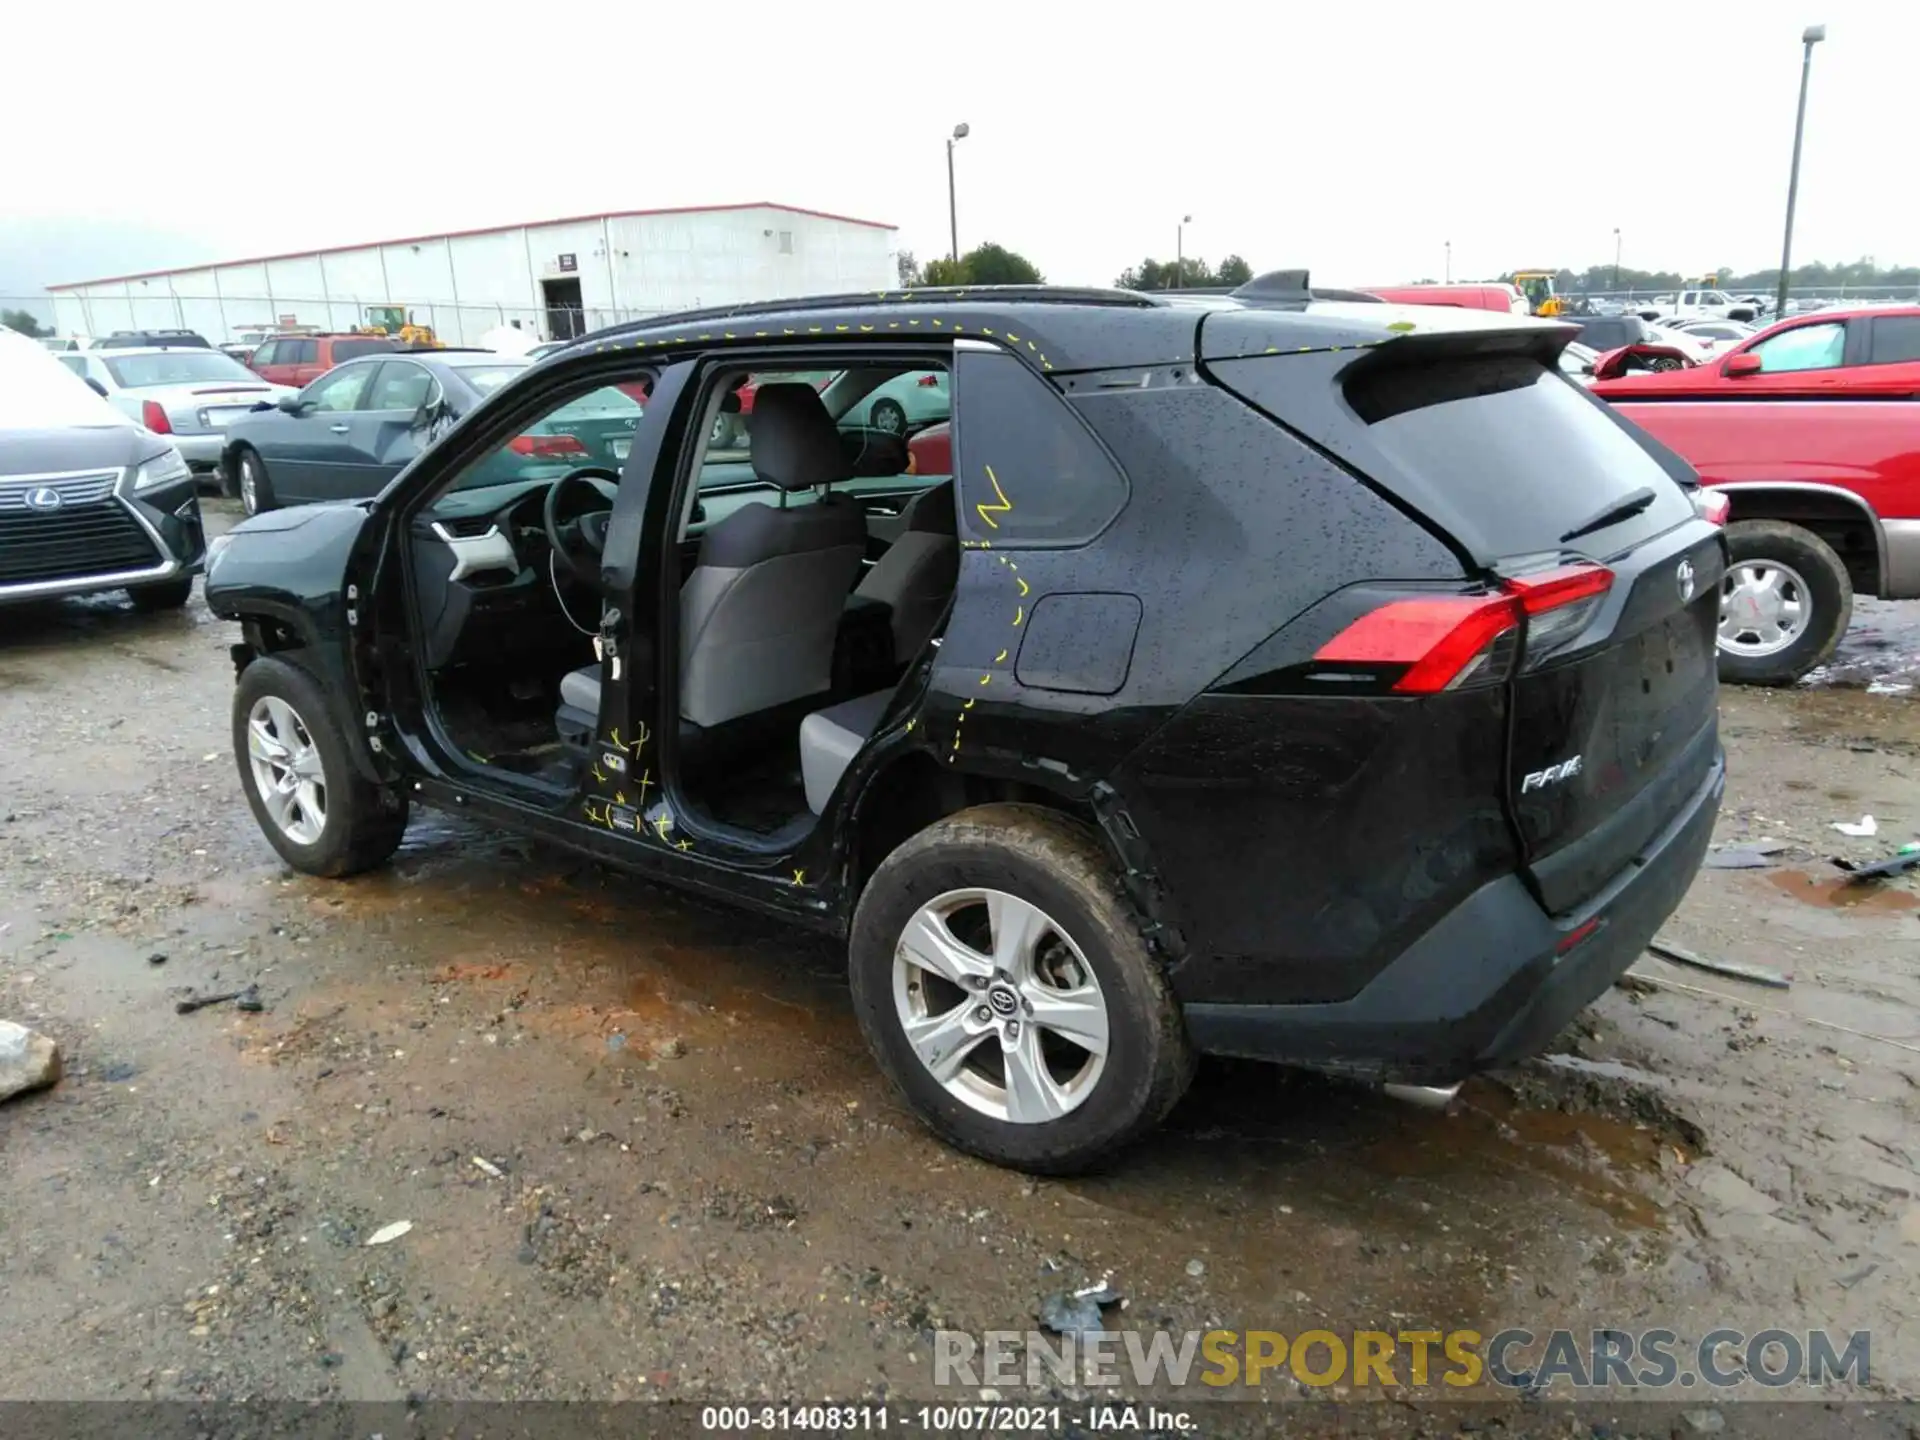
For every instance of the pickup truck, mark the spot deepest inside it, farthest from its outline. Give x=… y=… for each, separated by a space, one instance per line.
x=1812 y=429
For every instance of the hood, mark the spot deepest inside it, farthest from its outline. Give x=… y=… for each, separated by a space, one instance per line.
x=37 y=392
x=54 y=450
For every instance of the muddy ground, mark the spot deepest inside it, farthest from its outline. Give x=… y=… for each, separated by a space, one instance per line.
x=643 y=1151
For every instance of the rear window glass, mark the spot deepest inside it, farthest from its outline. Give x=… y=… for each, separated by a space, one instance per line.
x=176 y=367
x=353 y=349
x=488 y=378
x=1896 y=339
x=1516 y=454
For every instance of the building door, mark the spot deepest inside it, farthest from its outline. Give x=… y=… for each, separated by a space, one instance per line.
x=566 y=318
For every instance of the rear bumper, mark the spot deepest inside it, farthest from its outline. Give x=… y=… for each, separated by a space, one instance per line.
x=1488 y=985
x=1902 y=580
x=202 y=452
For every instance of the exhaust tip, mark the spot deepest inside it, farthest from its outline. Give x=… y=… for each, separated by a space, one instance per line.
x=1427 y=1097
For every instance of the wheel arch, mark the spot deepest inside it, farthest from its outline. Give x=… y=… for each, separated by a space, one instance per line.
x=1837 y=515
x=271 y=633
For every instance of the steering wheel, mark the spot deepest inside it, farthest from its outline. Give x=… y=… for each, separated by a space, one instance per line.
x=581 y=540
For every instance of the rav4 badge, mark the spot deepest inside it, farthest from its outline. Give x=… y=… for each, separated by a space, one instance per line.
x=1552 y=775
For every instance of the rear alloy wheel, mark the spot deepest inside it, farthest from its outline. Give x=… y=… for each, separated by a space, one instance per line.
x=313 y=805
x=1784 y=604
x=725 y=434
x=888 y=416
x=1664 y=362
x=1000 y=975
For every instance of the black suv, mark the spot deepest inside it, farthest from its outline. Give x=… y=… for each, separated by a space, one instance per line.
x=144 y=339
x=1323 y=682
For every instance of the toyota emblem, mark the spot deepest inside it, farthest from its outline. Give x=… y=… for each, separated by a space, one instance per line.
x=43 y=497
x=1684 y=578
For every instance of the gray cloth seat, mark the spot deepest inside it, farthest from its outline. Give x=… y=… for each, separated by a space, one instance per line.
x=917 y=574
x=760 y=612
x=830 y=738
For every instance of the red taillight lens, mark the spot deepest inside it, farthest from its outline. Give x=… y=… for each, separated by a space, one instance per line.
x=155 y=418
x=1713 y=506
x=1449 y=641
x=546 y=447
x=928 y=382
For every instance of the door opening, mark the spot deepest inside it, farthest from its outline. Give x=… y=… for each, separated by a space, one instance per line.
x=566 y=315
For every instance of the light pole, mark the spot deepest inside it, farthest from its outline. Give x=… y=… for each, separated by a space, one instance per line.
x=1449 y=271
x=1809 y=38
x=1180 y=252
x=960 y=132
x=1616 y=257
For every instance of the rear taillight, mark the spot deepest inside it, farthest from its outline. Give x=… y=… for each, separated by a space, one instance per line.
x=928 y=382
x=1449 y=642
x=1713 y=506
x=155 y=418
x=546 y=447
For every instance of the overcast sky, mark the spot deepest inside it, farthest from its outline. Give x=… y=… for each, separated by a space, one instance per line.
x=1355 y=137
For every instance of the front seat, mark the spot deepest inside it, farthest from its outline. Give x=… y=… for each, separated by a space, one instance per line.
x=759 y=613
x=916 y=575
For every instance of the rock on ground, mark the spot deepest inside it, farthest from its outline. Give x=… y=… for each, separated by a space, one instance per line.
x=28 y=1060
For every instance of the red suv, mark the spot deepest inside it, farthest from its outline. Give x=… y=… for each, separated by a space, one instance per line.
x=1812 y=428
x=296 y=359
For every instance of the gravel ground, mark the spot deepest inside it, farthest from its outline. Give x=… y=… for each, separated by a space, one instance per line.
x=643 y=1153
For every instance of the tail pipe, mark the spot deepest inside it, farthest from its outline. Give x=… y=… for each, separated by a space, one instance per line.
x=1427 y=1097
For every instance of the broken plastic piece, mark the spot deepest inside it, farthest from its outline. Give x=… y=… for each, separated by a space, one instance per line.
x=1754 y=974
x=1860 y=829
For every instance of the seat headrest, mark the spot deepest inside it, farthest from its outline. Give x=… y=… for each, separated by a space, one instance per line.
x=794 y=443
x=931 y=511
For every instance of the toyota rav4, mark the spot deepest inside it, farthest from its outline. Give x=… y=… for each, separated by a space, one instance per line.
x=1322 y=682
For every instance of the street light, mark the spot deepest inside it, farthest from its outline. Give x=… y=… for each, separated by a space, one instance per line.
x=960 y=132
x=1180 y=251
x=1809 y=38
x=1616 y=257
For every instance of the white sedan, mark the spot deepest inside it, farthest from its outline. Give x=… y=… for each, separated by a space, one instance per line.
x=1717 y=336
x=189 y=395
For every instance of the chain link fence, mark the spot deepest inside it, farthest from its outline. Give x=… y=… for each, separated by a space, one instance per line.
x=230 y=319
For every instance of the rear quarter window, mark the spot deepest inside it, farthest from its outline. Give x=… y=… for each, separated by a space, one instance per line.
x=1896 y=340
x=1029 y=471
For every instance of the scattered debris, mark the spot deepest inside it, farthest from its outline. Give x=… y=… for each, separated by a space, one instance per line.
x=1907 y=857
x=249 y=1000
x=28 y=1060
x=1077 y=1312
x=1859 y=829
x=1196 y=1268
x=1733 y=970
x=1848 y=1281
x=671 y=1048
x=1745 y=855
x=389 y=1233
x=488 y=1168
x=157 y=958
x=1701 y=1422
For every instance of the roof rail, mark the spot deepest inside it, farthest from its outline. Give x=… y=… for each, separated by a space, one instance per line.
x=912 y=295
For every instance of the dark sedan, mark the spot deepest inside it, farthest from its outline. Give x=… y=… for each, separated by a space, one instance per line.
x=352 y=430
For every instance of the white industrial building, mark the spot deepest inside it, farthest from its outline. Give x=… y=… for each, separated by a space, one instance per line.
x=556 y=278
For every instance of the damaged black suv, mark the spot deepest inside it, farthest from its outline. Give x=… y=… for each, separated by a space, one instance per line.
x=1273 y=676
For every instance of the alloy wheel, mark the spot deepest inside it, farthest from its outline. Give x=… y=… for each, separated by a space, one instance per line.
x=1764 y=608
x=287 y=769
x=1000 y=1005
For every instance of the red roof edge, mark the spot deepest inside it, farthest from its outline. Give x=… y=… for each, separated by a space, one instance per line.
x=481 y=230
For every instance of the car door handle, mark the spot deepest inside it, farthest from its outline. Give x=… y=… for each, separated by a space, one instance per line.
x=339 y=429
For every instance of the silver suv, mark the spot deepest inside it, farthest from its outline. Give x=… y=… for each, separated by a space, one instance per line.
x=89 y=500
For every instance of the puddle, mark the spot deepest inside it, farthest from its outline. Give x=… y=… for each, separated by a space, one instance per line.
x=1832 y=892
x=1879 y=654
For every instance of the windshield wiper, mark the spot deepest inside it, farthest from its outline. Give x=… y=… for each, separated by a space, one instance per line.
x=1622 y=509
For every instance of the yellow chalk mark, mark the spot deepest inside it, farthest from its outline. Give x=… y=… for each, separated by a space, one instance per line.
x=986 y=679
x=970 y=704
x=1019 y=613
x=1025 y=589
x=799 y=877
x=683 y=844
x=598 y=776
x=619 y=797
x=662 y=823
x=1000 y=509
x=1001 y=656
x=1013 y=337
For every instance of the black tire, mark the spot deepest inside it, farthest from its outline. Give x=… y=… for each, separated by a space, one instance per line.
x=1829 y=596
x=1057 y=864
x=888 y=416
x=725 y=434
x=167 y=595
x=259 y=499
x=364 y=821
x=1664 y=362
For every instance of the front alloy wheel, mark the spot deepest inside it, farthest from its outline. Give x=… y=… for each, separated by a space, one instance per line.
x=1764 y=607
x=287 y=770
x=1000 y=1006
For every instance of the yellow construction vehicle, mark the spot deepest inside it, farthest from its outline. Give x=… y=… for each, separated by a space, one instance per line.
x=394 y=320
x=1537 y=286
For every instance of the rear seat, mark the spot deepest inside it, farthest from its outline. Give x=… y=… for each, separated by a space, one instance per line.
x=830 y=738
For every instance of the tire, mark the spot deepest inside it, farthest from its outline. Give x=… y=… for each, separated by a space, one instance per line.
x=726 y=432
x=251 y=485
x=1664 y=362
x=168 y=595
x=1034 y=857
x=1807 y=567
x=888 y=416
x=360 y=823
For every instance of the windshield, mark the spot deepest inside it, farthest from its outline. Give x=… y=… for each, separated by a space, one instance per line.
x=176 y=367
x=489 y=377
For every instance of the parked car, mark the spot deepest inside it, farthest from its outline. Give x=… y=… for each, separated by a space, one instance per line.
x=1502 y=299
x=351 y=431
x=1715 y=336
x=1389 y=769
x=89 y=501
x=1661 y=349
x=296 y=359
x=190 y=395
x=1824 y=491
x=152 y=340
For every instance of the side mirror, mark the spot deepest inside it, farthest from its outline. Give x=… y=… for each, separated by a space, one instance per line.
x=292 y=404
x=95 y=386
x=1745 y=363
